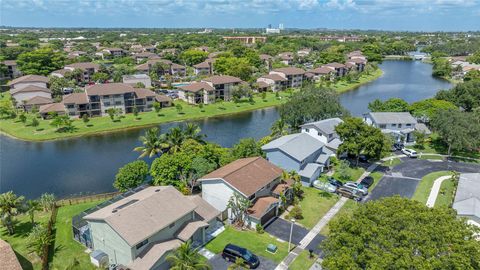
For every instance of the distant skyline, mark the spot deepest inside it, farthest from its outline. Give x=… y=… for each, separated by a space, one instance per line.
x=396 y=15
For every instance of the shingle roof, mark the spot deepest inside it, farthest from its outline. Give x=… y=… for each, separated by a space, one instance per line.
x=222 y=79
x=143 y=92
x=327 y=126
x=299 y=145
x=152 y=253
x=196 y=86
x=274 y=77
x=29 y=78
x=189 y=229
x=75 y=98
x=290 y=70
x=392 y=117
x=467 y=197
x=321 y=70
x=262 y=84
x=335 y=65
x=38 y=100
x=10 y=62
x=84 y=65
x=204 y=209
x=247 y=175
x=61 y=71
x=30 y=88
x=8 y=259
x=162 y=98
x=53 y=107
x=309 y=170
x=260 y=206
x=109 y=89
x=203 y=64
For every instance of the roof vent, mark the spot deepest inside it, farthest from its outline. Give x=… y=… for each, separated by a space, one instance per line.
x=114 y=210
x=157 y=190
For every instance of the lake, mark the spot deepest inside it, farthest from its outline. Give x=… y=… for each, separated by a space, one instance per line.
x=88 y=164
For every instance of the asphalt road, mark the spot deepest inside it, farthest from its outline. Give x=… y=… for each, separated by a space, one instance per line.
x=218 y=263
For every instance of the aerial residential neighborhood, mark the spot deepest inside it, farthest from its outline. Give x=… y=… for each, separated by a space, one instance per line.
x=271 y=135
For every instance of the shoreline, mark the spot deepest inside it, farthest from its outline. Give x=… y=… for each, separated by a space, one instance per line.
x=373 y=77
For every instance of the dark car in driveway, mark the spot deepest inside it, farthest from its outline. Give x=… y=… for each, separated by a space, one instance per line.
x=335 y=182
x=367 y=181
x=232 y=252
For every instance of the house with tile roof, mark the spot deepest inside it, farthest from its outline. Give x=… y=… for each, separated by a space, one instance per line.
x=467 y=198
x=254 y=179
x=197 y=93
x=293 y=75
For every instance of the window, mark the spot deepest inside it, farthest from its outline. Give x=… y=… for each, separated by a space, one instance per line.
x=382 y=126
x=118 y=103
x=106 y=103
x=106 y=96
x=70 y=106
x=171 y=225
x=408 y=125
x=307 y=130
x=149 y=99
x=399 y=125
x=394 y=125
x=141 y=244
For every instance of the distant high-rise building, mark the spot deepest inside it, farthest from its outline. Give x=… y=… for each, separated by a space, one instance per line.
x=270 y=30
x=280 y=26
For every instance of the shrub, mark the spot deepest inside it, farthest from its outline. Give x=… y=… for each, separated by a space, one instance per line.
x=259 y=228
x=295 y=213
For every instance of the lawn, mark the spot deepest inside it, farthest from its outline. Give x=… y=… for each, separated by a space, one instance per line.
x=344 y=86
x=19 y=241
x=347 y=209
x=354 y=172
x=446 y=194
x=392 y=162
x=66 y=249
x=251 y=240
x=45 y=131
x=431 y=157
x=315 y=204
x=434 y=145
x=425 y=186
x=303 y=261
x=376 y=177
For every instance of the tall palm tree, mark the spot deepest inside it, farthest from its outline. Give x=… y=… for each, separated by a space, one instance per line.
x=186 y=257
x=152 y=144
x=174 y=139
x=31 y=207
x=192 y=131
x=9 y=207
x=279 y=128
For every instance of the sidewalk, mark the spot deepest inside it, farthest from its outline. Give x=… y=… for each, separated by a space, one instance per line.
x=435 y=189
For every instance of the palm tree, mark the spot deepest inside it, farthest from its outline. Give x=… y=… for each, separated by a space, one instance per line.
x=31 y=207
x=186 y=257
x=279 y=128
x=192 y=132
x=175 y=139
x=152 y=144
x=238 y=264
x=9 y=207
x=47 y=201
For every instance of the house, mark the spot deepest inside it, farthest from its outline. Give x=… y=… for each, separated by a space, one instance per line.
x=400 y=125
x=12 y=70
x=139 y=57
x=358 y=63
x=47 y=109
x=25 y=88
x=356 y=55
x=467 y=198
x=247 y=40
x=293 y=75
x=197 y=93
x=111 y=52
x=253 y=178
x=204 y=68
x=75 y=54
x=8 y=258
x=138 y=78
x=300 y=152
x=324 y=130
x=286 y=58
x=166 y=67
x=139 y=231
x=267 y=59
x=28 y=80
x=275 y=81
x=88 y=69
x=322 y=72
x=340 y=69
x=223 y=85
x=178 y=70
x=36 y=101
x=304 y=52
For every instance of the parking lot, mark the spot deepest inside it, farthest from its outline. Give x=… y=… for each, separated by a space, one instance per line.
x=218 y=263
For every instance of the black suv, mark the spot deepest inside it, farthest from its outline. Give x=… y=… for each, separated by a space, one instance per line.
x=232 y=252
x=367 y=181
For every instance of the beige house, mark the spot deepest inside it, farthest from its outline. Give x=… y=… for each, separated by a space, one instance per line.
x=223 y=85
x=340 y=69
x=139 y=231
x=25 y=88
x=322 y=72
x=275 y=81
x=204 y=68
x=197 y=93
x=286 y=58
x=293 y=75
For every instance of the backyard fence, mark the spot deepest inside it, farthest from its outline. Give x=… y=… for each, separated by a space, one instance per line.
x=86 y=198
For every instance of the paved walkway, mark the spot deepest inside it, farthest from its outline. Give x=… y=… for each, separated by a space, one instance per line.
x=435 y=189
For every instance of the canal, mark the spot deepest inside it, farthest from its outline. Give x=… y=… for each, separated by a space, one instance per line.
x=88 y=164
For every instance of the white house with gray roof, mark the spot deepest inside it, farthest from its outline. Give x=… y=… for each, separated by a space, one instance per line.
x=299 y=152
x=400 y=125
x=467 y=198
x=324 y=130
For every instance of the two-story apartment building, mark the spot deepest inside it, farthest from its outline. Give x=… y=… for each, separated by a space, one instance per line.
x=340 y=69
x=324 y=130
x=204 y=68
x=293 y=75
x=111 y=53
x=299 y=152
x=27 y=87
x=88 y=69
x=286 y=58
x=322 y=73
x=358 y=63
x=166 y=67
x=223 y=85
x=253 y=178
x=197 y=93
x=141 y=56
x=137 y=78
x=275 y=81
x=139 y=231
x=400 y=125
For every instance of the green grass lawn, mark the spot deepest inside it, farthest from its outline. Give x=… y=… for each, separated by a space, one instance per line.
x=446 y=194
x=315 y=204
x=303 y=261
x=45 y=131
x=66 y=249
x=347 y=209
x=19 y=240
x=425 y=186
x=434 y=145
x=392 y=162
x=431 y=157
x=343 y=86
x=251 y=240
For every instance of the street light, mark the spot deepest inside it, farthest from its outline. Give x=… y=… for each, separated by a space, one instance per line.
x=291 y=231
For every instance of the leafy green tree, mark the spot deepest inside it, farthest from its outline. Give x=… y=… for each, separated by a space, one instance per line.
x=179 y=108
x=398 y=233
x=10 y=205
x=193 y=57
x=131 y=175
x=239 y=264
x=170 y=167
x=474 y=58
x=247 y=147
x=441 y=67
x=420 y=138
x=390 y=105
x=157 y=107
x=135 y=111
x=85 y=118
x=57 y=85
x=279 y=128
x=359 y=138
x=343 y=170
x=372 y=52
x=472 y=75
x=38 y=239
x=62 y=123
x=32 y=206
x=23 y=118
x=100 y=77
x=153 y=144
x=427 y=108
x=193 y=132
x=41 y=61
x=186 y=257
x=238 y=206
x=35 y=123
x=111 y=113
x=465 y=95
x=233 y=66
x=47 y=201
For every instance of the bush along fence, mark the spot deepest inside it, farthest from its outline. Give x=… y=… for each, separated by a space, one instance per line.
x=50 y=230
x=87 y=198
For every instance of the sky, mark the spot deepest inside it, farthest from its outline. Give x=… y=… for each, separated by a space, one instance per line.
x=409 y=15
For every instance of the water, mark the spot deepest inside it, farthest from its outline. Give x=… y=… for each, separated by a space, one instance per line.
x=89 y=164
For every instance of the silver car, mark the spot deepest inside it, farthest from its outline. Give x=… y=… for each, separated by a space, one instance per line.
x=409 y=152
x=325 y=186
x=356 y=186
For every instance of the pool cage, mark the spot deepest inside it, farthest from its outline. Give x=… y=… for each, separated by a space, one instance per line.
x=81 y=231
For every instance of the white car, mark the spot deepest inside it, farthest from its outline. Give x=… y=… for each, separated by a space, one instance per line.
x=325 y=186
x=409 y=152
x=357 y=187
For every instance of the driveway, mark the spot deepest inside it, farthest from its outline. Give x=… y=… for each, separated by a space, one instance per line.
x=280 y=228
x=390 y=186
x=218 y=263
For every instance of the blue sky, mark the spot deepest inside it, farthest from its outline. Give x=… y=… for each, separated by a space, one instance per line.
x=412 y=15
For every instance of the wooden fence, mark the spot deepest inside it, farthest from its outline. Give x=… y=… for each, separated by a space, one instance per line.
x=87 y=198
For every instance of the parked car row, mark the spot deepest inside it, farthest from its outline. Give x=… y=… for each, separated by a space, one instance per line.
x=350 y=190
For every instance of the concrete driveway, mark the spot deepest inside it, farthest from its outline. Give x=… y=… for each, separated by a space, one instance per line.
x=218 y=263
x=280 y=228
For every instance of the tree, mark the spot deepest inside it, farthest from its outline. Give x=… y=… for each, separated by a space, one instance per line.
x=303 y=107
x=474 y=58
x=131 y=175
x=62 y=123
x=186 y=257
x=279 y=128
x=465 y=95
x=41 y=61
x=57 y=85
x=343 y=170
x=398 y=233
x=179 y=108
x=35 y=123
x=170 y=167
x=390 y=105
x=193 y=57
x=10 y=205
x=111 y=113
x=247 y=147
x=372 y=52
x=38 y=239
x=472 y=75
x=47 y=201
x=359 y=138
x=100 y=77
x=32 y=206
x=139 y=85
x=23 y=118
x=85 y=118
x=233 y=66
x=441 y=67
x=420 y=138
x=238 y=206
x=152 y=144
x=239 y=264
x=157 y=107
x=427 y=108
x=135 y=111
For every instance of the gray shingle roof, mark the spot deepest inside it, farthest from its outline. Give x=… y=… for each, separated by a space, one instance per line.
x=467 y=197
x=392 y=117
x=298 y=145
x=309 y=170
x=326 y=126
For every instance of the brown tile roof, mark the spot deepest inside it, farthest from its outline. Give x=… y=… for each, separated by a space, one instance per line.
x=357 y=61
x=30 y=88
x=286 y=55
x=203 y=64
x=75 y=98
x=222 y=79
x=84 y=65
x=177 y=66
x=275 y=77
x=260 y=206
x=247 y=175
x=162 y=98
x=29 y=78
x=196 y=86
x=152 y=253
x=53 y=107
x=8 y=259
x=261 y=84
x=335 y=65
x=349 y=64
x=144 y=213
x=143 y=92
x=109 y=89
x=144 y=66
x=38 y=100
x=290 y=70
x=145 y=55
x=282 y=187
x=61 y=71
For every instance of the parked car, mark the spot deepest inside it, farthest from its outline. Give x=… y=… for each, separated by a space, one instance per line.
x=335 y=182
x=367 y=181
x=398 y=146
x=358 y=187
x=409 y=152
x=349 y=193
x=232 y=252
x=325 y=186
x=363 y=158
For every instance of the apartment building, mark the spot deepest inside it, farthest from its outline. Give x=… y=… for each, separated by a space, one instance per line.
x=12 y=70
x=88 y=69
x=223 y=85
x=274 y=81
x=197 y=93
x=293 y=75
x=339 y=69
